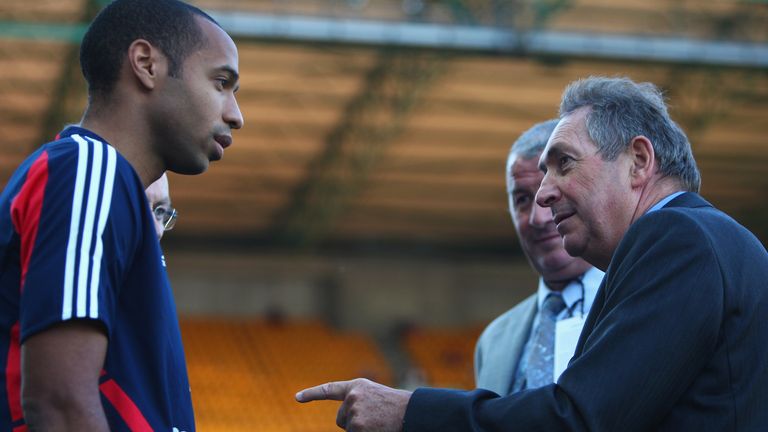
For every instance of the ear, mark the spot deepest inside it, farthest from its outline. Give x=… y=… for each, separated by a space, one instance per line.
x=145 y=63
x=643 y=161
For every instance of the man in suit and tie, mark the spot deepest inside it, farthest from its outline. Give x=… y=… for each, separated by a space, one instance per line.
x=516 y=351
x=675 y=340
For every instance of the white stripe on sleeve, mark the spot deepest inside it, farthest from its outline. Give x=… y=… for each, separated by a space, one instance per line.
x=92 y=201
x=74 y=226
x=106 y=202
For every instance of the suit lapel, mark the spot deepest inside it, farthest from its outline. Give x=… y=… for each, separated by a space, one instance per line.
x=589 y=323
x=512 y=347
x=688 y=199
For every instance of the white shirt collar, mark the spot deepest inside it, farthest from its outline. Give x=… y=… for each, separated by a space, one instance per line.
x=572 y=292
x=664 y=201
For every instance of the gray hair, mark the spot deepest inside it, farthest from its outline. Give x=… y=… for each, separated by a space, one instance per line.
x=529 y=145
x=622 y=110
x=532 y=142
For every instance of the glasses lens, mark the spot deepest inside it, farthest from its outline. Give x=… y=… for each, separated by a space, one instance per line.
x=169 y=220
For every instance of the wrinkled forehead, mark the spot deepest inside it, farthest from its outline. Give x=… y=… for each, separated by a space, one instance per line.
x=521 y=165
x=523 y=172
x=158 y=191
x=569 y=134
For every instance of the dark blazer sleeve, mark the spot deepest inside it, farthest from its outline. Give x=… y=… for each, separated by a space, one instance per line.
x=653 y=326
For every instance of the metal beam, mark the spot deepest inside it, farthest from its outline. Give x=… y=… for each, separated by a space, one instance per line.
x=297 y=28
x=483 y=39
x=71 y=33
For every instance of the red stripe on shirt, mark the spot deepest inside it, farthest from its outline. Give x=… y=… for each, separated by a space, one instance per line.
x=13 y=375
x=26 y=208
x=123 y=404
x=25 y=214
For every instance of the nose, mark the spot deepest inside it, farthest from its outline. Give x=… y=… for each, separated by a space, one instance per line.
x=548 y=194
x=232 y=115
x=540 y=216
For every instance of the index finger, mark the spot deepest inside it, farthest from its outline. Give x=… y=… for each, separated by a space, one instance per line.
x=329 y=391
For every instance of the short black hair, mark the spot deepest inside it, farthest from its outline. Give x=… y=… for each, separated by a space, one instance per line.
x=166 y=24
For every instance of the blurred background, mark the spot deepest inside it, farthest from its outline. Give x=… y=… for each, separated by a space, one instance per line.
x=358 y=226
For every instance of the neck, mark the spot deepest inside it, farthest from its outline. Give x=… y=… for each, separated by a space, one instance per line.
x=556 y=285
x=650 y=193
x=654 y=191
x=124 y=129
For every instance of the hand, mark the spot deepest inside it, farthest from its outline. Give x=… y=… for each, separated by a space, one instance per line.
x=367 y=406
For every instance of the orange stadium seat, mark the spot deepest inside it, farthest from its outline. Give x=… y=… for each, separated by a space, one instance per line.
x=244 y=373
x=445 y=356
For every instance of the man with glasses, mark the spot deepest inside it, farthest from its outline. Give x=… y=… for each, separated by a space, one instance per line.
x=159 y=200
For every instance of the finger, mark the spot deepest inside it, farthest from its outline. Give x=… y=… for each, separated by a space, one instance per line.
x=329 y=391
x=341 y=416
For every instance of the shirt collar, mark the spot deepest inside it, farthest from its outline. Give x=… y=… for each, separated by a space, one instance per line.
x=77 y=130
x=572 y=292
x=664 y=201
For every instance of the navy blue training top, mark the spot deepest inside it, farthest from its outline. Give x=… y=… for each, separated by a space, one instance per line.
x=77 y=242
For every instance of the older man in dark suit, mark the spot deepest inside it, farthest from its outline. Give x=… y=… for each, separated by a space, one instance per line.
x=675 y=340
x=517 y=350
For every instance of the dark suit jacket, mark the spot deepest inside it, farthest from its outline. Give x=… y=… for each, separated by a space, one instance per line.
x=677 y=340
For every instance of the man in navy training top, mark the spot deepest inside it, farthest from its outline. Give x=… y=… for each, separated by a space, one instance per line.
x=88 y=329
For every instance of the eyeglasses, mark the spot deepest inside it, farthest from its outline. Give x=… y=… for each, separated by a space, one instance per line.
x=166 y=216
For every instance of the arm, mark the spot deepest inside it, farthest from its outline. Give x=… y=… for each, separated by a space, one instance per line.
x=61 y=358
x=60 y=378
x=366 y=405
x=655 y=331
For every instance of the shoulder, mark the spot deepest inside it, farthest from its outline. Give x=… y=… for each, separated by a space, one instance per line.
x=680 y=243
x=82 y=156
x=92 y=166
x=694 y=224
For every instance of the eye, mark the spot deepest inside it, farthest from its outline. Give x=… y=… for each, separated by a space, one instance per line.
x=563 y=161
x=221 y=83
x=160 y=212
x=521 y=200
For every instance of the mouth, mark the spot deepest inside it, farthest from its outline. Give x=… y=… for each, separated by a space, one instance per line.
x=223 y=140
x=559 y=217
x=548 y=237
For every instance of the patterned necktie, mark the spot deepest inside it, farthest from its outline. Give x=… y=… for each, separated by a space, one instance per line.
x=542 y=353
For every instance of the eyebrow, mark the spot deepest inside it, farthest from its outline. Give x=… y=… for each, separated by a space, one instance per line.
x=230 y=70
x=234 y=76
x=552 y=153
x=164 y=201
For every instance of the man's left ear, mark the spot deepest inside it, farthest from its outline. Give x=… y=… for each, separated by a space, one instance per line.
x=643 y=160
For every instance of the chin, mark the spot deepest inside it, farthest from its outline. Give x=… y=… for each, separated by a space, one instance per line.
x=557 y=266
x=574 y=248
x=190 y=168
